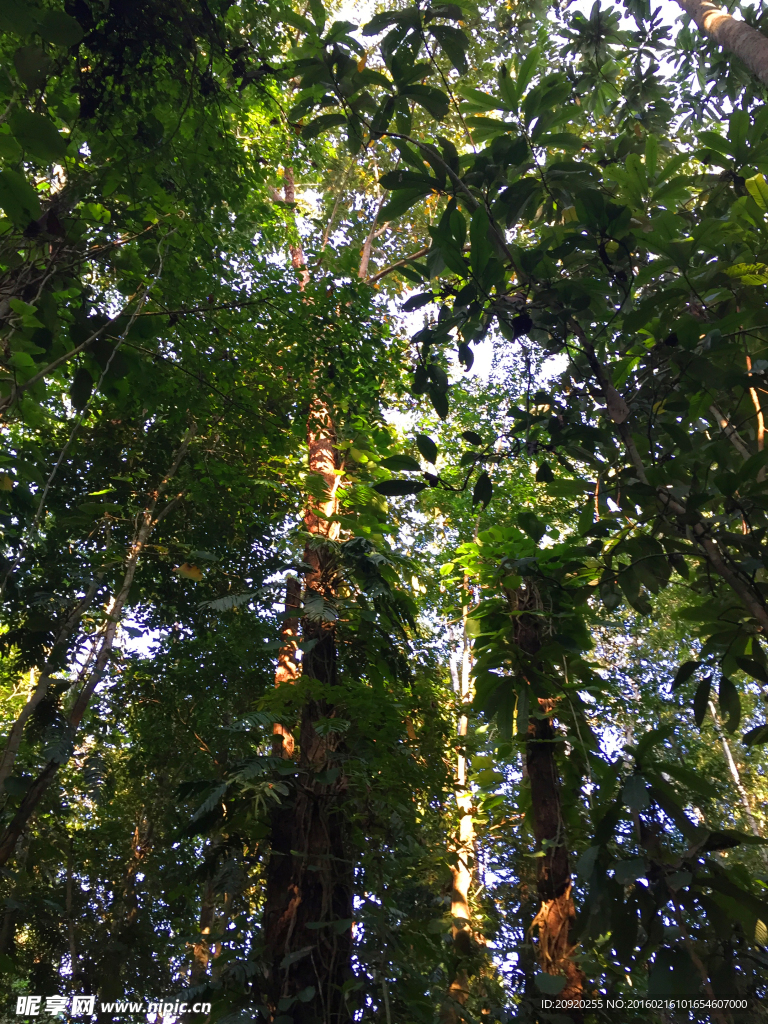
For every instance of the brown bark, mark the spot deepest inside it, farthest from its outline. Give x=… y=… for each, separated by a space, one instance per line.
x=141 y=846
x=745 y=42
x=553 y=875
x=201 y=950
x=288 y=668
x=309 y=875
x=148 y=522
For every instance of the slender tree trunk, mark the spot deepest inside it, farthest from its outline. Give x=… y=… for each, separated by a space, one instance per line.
x=38 y=692
x=553 y=877
x=201 y=950
x=148 y=522
x=462 y=870
x=71 y=917
x=745 y=42
x=733 y=769
x=288 y=668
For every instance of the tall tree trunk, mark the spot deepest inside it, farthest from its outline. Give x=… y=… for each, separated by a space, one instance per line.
x=745 y=42
x=308 y=905
x=288 y=668
x=462 y=870
x=308 y=911
x=553 y=877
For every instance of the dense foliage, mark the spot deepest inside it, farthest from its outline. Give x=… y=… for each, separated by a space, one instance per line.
x=513 y=568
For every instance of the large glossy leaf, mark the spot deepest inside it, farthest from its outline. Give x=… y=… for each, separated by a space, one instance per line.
x=37 y=135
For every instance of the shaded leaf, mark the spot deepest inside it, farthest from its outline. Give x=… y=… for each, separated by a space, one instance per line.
x=397 y=488
x=37 y=135
x=483 y=489
x=701 y=699
x=427 y=447
x=81 y=388
x=730 y=704
x=401 y=464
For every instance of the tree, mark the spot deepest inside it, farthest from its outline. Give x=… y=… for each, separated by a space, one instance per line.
x=518 y=741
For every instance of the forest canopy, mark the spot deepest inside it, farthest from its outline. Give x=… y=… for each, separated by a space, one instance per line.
x=383 y=511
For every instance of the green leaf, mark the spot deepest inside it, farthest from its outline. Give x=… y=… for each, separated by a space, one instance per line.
x=701 y=699
x=397 y=488
x=532 y=525
x=757 y=187
x=673 y=974
x=730 y=705
x=427 y=447
x=402 y=178
x=483 y=489
x=651 y=154
x=410 y=16
x=298 y=21
x=693 y=780
x=319 y=17
x=755 y=736
x=472 y=436
x=37 y=135
x=438 y=376
x=635 y=793
x=550 y=984
x=60 y=29
x=527 y=70
x=454 y=45
x=17 y=17
x=401 y=464
x=481 y=250
x=684 y=673
x=587 y=862
x=433 y=100
x=18 y=198
x=439 y=399
x=544 y=474
x=322 y=124
x=402 y=200
x=81 y=388
x=752 y=668
x=417 y=301
x=32 y=66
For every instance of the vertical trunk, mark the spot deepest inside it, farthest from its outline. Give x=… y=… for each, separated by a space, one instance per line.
x=201 y=950
x=553 y=881
x=288 y=669
x=553 y=877
x=141 y=845
x=461 y=871
x=71 y=917
x=733 y=769
x=308 y=911
x=747 y=43
x=308 y=905
x=760 y=432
